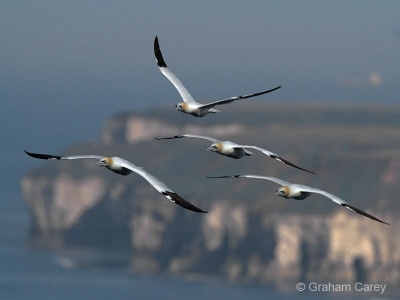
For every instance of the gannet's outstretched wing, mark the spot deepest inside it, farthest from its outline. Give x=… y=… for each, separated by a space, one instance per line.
x=341 y=202
x=274 y=156
x=171 y=76
x=50 y=157
x=190 y=135
x=161 y=187
x=229 y=100
x=276 y=180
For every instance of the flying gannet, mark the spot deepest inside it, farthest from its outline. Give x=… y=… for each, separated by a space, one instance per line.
x=300 y=192
x=189 y=105
x=123 y=167
x=234 y=150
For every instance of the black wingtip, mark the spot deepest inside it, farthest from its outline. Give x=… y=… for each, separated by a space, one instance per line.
x=227 y=176
x=157 y=52
x=285 y=161
x=311 y=172
x=275 y=88
x=174 y=197
x=42 y=156
x=361 y=212
x=171 y=138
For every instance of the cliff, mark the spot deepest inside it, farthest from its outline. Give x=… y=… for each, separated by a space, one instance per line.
x=249 y=235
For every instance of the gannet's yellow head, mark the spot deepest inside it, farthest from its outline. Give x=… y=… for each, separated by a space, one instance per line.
x=215 y=147
x=104 y=162
x=181 y=106
x=283 y=191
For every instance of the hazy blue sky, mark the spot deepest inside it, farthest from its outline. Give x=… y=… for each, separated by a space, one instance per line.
x=67 y=65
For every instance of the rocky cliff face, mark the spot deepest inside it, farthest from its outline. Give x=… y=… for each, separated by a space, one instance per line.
x=249 y=235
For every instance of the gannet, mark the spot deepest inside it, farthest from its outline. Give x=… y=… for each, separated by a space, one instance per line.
x=189 y=105
x=234 y=150
x=300 y=192
x=123 y=167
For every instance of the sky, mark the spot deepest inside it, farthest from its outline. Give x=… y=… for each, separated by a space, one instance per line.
x=68 y=65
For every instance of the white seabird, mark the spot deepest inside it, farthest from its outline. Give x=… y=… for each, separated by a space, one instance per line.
x=189 y=105
x=300 y=192
x=123 y=167
x=234 y=150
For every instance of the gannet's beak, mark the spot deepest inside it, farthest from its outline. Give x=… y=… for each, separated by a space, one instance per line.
x=210 y=148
